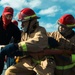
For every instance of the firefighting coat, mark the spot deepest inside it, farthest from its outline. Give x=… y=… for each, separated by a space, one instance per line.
x=35 y=41
x=64 y=64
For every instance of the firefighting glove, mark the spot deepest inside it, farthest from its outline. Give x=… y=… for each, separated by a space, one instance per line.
x=53 y=43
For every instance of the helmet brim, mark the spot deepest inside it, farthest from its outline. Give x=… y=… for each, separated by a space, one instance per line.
x=28 y=19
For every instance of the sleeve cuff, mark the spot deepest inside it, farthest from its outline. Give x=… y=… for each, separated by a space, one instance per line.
x=23 y=46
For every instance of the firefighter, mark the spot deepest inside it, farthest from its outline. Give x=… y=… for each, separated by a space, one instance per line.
x=66 y=40
x=34 y=39
x=7 y=30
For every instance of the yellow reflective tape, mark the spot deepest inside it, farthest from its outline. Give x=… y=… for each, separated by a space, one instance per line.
x=71 y=25
x=30 y=16
x=65 y=67
x=73 y=58
x=24 y=47
x=36 y=61
x=39 y=61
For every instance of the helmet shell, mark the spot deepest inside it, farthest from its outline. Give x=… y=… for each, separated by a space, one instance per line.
x=26 y=14
x=66 y=19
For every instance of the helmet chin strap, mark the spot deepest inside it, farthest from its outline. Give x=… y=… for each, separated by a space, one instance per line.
x=28 y=26
x=33 y=27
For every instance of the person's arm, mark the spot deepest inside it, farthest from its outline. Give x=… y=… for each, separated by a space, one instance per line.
x=37 y=42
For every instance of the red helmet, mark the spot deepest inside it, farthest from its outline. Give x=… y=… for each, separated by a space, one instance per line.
x=15 y=22
x=26 y=14
x=8 y=10
x=67 y=20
